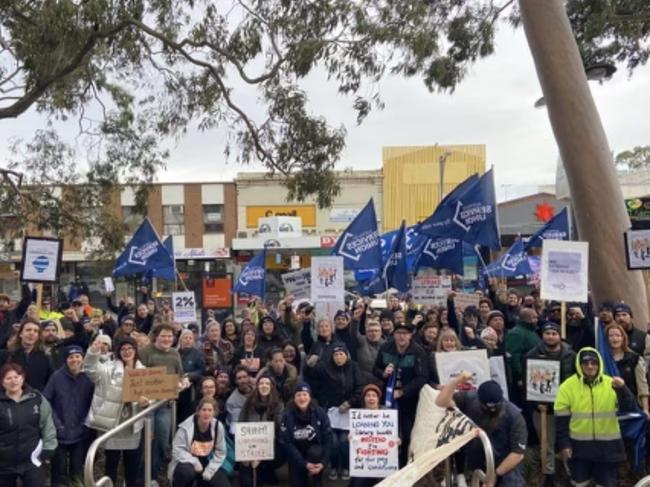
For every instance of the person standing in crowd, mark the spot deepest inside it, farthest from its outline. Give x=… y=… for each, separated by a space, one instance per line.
x=193 y=370
x=238 y=396
x=161 y=354
x=344 y=332
x=10 y=314
x=306 y=438
x=70 y=393
x=579 y=331
x=637 y=340
x=403 y=366
x=216 y=351
x=248 y=353
x=25 y=425
x=484 y=308
x=587 y=429
x=127 y=326
x=199 y=450
x=551 y=348
x=224 y=388
x=387 y=322
x=342 y=381
x=606 y=313
x=269 y=335
x=496 y=321
x=490 y=339
x=143 y=319
x=631 y=366
x=263 y=404
x=284 y=375
x=107 y=409
x=368 y=346
x=230 y=331
x=519 y=341
x=292 y=355
x=499 y=418
x=25 y=350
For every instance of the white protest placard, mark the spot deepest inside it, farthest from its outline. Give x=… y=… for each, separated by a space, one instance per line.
x=254 y=441
x=542 y=379
x=41 y=259
x=109 y=285
x=327 y=282
x=327 y=308
x=338 y=420
x=374 y=442
x=431 y=290
x=451 y=364
x=298 y=283
x=184 y=307
x=498 y=373
x=564 y=271
x=463 y=300
x=637 y=249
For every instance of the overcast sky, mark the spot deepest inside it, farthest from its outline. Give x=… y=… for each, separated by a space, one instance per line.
x=493 y=106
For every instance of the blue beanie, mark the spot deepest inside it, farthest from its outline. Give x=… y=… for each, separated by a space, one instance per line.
x=490 y=393
x=302 y=387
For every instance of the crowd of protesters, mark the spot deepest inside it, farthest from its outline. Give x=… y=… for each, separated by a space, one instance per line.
x=63 y=366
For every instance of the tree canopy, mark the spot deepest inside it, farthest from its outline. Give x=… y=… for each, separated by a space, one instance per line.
x=634 y=159
x=150 y=68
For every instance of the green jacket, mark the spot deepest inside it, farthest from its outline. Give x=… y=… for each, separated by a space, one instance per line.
x=519 y=341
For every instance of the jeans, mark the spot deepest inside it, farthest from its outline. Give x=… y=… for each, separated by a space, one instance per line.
x=131 y=465
x=185 y=476
x=162 y=425
x=340 y=452
x=68 y=462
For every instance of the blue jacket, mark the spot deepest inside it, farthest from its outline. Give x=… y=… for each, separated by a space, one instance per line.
x=70 y=397
x=298 y=431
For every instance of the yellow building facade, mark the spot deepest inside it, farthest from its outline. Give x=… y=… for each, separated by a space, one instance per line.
x=412 y=178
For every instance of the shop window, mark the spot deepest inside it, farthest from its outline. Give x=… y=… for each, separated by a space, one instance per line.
x=174 y=220
x=213 y=218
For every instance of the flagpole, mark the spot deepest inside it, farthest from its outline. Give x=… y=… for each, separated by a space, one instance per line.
x=482 y=261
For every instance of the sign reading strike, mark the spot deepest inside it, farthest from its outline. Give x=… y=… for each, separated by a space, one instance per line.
x=184 y=307
x=374 y=442
x=152 y=383
x=431 y=290
x=254 y=441
x=564 y=271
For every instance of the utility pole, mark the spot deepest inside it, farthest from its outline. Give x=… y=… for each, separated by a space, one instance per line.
x=596 y=194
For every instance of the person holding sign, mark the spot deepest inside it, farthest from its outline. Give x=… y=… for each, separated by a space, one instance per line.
x=107 y=409
x=199 y=450
x=306 y=438
x=499 y=418
x=263 y=404
x=587 y=429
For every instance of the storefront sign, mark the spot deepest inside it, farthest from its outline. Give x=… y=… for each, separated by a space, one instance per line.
x=184 y=307
x=152 y=383
x=374 y=442
x=298 y=283
x=307 y=213
x=254 y=441
x=327 y=241
x=199 y=253
x=217 y=293
x=431 y=290
x=41 y=259
x=343 y=215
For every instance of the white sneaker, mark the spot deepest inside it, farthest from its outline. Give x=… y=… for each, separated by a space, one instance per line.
x=460 y=480
x=154 y=483
x=333 y=475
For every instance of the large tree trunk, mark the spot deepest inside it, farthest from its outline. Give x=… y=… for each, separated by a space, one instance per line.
x=596 y=195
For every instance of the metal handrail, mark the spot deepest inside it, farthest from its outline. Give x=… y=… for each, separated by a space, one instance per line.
x=489 y=477
x=105 y=481
x=644 y=482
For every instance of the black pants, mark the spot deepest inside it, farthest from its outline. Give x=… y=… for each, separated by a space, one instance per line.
x=185 y=476
x=33 y=477
x=265 y=470
x=68 y=462
x=299 y=477
x=131 y=465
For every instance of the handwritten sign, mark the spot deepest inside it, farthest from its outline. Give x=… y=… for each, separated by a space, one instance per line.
x=374 y=444
x=463 y=300
x=254 y=441
x=542 y=379
x=431 y=290
x=564 y=270
x=184 y=307
x=298 y=283
x=152 y=383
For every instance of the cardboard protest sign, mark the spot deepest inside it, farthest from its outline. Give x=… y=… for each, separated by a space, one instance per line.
x=463 y=300
x=184 y=307
x=327 y=282
x=254 y=441
x=298 y=283
x=637 y=249
x=41 y=259
x=109 y=285
x=451 y=364
x=564 y=271
x=374 y=443
x=152 y=383
x=431 y=290
x=542 y=379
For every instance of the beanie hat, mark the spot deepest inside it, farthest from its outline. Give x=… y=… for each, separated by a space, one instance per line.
x=72 y=349
x=494 y=314
x=104 y=339
x=606 y=305
x=489 y=332
x=588 y=355
x=302 y=387
x=550 y=325
x=386 y=314
x=47 y=324
x=341 y=313
x=371 y=387
x=490 y=393
x=623 y=308
x=340 y=347
x=267 y=318
x=130 y=318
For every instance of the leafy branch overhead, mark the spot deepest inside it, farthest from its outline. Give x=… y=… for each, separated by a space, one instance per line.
x=140 y=72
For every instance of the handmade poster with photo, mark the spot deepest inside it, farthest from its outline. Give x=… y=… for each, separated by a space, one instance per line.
x=637 y=249
x=451 y=364
x=327 y=282
x=41 y=259
x=542 y=379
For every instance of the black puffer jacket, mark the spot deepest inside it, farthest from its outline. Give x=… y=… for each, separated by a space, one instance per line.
x=336 y=383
